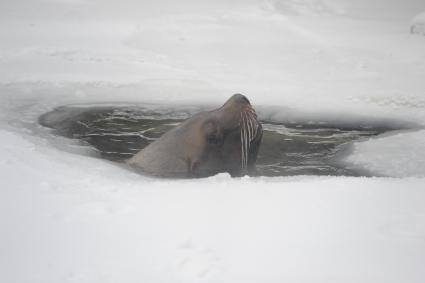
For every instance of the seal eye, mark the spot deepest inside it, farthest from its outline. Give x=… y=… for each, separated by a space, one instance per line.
x=212 y=133
x=214 y=139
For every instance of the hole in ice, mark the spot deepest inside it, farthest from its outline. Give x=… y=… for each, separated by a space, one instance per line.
x=288 y=147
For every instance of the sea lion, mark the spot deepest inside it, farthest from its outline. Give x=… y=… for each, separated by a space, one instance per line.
x=226 y=139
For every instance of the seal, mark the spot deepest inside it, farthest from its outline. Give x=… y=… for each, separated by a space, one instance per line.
x=226 y=139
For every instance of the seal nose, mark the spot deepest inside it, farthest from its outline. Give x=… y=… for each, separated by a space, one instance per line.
x=239 y=98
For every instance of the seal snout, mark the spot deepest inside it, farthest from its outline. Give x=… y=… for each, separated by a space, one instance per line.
x=238 y=98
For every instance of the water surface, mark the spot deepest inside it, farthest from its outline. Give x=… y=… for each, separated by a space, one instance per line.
x=287 y=149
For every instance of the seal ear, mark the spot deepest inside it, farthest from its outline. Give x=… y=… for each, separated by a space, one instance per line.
x=213 y=133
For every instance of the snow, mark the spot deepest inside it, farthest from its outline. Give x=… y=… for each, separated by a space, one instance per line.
x=60 y=224
x=68 y=217
x=395 y=155
x=418 y=24
x=420 y=18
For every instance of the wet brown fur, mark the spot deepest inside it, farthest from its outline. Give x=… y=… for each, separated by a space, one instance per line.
x=223 y=140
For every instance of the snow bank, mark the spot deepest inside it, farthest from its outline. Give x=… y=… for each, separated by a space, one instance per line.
x=394 y=155
x=305 y=7
x=67 y=218
x=420 y=18
x=418 y=24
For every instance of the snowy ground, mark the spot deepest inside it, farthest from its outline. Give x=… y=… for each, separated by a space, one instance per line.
x=66 y=217
x=418 y=24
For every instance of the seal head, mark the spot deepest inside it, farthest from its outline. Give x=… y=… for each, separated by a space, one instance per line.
x=223 y=140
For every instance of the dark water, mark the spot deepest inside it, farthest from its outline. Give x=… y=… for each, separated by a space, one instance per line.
x=119 y=132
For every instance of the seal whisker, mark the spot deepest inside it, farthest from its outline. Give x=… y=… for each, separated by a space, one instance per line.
x=254 y=126
x=241 y=134
x=248 y=122
x=242 y=140
x=250 y=126
x=251 y=111
x=253 y=129
x=249 y=130
x=246 y=141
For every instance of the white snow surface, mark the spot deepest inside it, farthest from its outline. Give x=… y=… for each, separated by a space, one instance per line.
x=418 y=24
x=63 y=224
x=420 y=18
x=68 y=217
x=386 y=150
